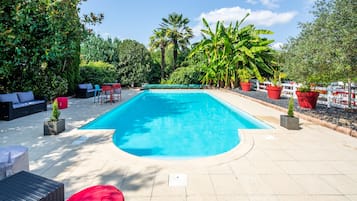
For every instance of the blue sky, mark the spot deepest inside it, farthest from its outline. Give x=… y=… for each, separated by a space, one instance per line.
x=136 y=19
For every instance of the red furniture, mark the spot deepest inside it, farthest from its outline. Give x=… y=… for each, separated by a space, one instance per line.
x=107 y=93
x=62 y=102
x=97 y=193
x=117 y=92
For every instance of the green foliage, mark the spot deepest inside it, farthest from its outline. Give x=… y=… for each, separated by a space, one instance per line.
x=97 y=73
x=291 y=107
x=305 y=88
x=244 y=75
x=185 y=75
x=40 y=43
x=55 y=111
x=227 y=49
x=326 y=49
x=96 y=48
x=178 y=33
x=160 y=40
x=135 y=66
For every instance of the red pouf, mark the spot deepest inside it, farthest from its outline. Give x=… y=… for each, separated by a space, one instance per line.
x=98 y=193
x=62 y=102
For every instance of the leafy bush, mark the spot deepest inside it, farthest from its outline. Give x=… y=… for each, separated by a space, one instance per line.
x=55 y=112
x=185 y=75
x=291 y=107
x=97 y=73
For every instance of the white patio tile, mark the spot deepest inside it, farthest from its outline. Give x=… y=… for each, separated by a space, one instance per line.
x=282 y=184
x=314 y=185
x=226 y=185
x=342 y=183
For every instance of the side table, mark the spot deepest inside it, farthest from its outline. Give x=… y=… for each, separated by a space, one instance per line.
x=30 y=187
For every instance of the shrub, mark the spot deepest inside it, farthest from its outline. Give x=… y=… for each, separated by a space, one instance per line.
x=55 y=112
x=185 y=75
x=97 y=73
x=291 y=107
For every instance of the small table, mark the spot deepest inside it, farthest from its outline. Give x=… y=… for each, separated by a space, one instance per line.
x=62 y=102
x=27 y=186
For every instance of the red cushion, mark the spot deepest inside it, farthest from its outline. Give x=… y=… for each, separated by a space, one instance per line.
x=98 y=193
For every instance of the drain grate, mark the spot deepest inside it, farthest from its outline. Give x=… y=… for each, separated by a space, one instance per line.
x=177 y=180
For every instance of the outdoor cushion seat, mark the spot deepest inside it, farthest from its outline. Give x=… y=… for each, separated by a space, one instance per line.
x=19 y=104
x=34 y=102
x=85 y=90
x=98 y=192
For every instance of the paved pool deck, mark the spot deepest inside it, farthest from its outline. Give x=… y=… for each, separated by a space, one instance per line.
x=314 y=163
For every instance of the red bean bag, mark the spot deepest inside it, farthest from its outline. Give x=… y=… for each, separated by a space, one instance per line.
x=98 y=193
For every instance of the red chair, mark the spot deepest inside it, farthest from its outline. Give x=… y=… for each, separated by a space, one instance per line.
x=117 y=92
x=107 y=93
x=98 y=193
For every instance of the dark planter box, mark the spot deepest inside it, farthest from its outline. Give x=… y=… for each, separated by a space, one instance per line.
x=54 y=127
x=291 y=123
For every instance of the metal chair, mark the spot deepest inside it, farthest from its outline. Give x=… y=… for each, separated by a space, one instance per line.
x=97 y=93
x=107 y=94
x=117 y=92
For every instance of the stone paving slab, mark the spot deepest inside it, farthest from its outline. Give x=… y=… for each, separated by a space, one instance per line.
x=313 y=163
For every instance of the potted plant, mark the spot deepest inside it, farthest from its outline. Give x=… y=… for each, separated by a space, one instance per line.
x=306 y=97
x=289 y=121
x=55 y=125
x=274 y=90
x=244 y=76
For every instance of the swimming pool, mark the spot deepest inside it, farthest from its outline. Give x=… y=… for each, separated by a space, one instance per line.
x=175 y=124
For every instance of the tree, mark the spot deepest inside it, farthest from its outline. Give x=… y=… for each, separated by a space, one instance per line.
x=96 y=48
x=159 y=40
x=228 y=49
x=179 y=33
x=326 y=49
x=135 y=63
x=40 y=43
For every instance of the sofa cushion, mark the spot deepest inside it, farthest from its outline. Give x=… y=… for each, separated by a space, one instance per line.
x=89 y=86
x=25 y=96
x=9 y=98
x=25 y=104
x=82 y=86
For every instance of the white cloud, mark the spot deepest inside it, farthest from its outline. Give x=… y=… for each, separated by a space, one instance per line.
x=277 y=45
x=267 y=3
x=259 y=18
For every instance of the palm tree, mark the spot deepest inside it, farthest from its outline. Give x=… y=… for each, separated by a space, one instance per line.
x=159 y=40
x=228 y=49
x=177 y=30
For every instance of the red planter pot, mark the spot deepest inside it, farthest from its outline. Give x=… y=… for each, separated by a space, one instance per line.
x=274 y=92
x=246 y=86
x=307 y=99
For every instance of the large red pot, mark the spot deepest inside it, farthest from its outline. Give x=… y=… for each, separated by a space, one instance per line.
x=246 y=86
x=274 y=92
x=307 y=99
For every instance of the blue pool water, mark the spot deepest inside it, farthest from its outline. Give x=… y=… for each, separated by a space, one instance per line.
x=175 y=124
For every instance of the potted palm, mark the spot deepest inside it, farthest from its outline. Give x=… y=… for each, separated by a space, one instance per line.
x=306 y=97
x=55 y=125
x=289 y=121
x=244 y=76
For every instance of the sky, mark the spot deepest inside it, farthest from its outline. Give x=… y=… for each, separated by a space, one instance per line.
x=136 y=19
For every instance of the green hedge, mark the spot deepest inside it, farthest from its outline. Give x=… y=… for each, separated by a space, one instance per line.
x=97 y=73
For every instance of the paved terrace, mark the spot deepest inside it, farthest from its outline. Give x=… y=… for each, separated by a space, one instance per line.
x=311 y=164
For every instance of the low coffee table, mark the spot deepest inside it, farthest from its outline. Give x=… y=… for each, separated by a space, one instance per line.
x=30 y=187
